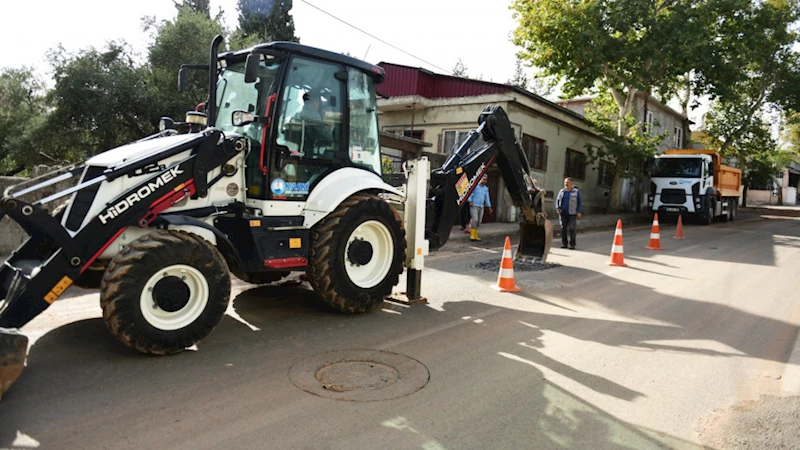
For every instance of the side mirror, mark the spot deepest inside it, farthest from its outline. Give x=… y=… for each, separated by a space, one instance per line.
x=251 y=68
x=241 y=118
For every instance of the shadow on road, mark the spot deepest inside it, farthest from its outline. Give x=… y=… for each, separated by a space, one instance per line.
x=84 y=389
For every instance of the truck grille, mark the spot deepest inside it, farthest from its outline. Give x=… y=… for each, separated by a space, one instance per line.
x=674 y=196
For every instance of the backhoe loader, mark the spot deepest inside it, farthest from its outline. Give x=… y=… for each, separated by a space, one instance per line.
x=279 y=171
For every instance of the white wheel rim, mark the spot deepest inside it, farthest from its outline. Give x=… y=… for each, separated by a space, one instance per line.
x=198 y=298
x=380 y=238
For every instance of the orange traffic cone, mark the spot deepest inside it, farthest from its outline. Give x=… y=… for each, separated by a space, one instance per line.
x=679 y=230
x=617 y=253
x=505 y=280
x=655 y=236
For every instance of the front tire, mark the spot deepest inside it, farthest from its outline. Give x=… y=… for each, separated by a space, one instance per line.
x=165 y=292
x=357 y=253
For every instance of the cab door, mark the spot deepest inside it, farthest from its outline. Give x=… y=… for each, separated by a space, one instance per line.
x=309 y=139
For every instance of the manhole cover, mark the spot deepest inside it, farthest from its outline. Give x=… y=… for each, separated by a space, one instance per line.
x=359 y=375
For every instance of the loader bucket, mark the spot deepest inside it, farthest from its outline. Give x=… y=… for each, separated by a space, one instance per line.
x=534 y=241
x=13 y=349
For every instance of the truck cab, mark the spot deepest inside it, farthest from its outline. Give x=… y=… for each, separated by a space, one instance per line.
x=693 y=183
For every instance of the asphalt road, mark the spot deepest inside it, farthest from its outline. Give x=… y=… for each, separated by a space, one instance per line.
x=653 y=355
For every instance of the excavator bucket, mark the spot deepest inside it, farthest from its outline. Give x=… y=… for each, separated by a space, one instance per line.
x=13 y=349
x=534 y=241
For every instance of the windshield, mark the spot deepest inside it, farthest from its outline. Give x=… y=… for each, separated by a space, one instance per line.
x=677 y=167
x=234 y=94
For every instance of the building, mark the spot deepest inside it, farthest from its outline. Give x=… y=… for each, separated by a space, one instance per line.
x=442 y=109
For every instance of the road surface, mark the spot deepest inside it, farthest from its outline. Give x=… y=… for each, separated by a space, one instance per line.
x=654 y=355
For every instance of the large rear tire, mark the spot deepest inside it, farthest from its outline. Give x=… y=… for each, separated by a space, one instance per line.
x=165 y=292
x=357 y=253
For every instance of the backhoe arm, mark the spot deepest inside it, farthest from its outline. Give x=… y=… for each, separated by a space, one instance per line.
x=452 y=184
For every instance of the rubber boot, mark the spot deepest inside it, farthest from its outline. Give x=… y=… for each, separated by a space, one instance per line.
x=476 y=238
x=472 y=234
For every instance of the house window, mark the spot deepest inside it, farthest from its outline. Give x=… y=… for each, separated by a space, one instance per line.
x=678 y=137
x=451 y=139
x=576 y=165
x=535 y=151
x=415 y=134
x=605 y=174
x=648 y=119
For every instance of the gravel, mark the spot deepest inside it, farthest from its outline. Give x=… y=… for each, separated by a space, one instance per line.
x=768 y=423
x=494 y=266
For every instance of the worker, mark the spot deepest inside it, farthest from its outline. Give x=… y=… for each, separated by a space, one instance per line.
x=568 y=207
x=478 y=200
x=316 y=133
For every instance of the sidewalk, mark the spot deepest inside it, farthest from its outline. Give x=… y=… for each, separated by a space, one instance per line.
x=588 y=222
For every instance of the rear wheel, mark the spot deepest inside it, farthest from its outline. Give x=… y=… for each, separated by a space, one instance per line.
x=357 y=253
x=165 y=292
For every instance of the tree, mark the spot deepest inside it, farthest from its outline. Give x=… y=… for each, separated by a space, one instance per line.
x=766 y=80
x=22 y=111
x=623 y=47
x=201 y=6
x=460 y=70
x=267 y=20
x=186 y=40
x=519 y=79
x=101 y=99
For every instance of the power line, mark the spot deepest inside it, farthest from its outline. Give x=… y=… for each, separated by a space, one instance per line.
x=374 y=37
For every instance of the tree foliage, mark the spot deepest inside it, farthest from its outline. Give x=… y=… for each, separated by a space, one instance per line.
x=519 y=79
x=266 y=20
x=184 y=40
x=623 y=47
x=101 y=100
x=22 y=112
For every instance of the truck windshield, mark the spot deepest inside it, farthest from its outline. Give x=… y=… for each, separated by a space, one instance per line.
x=677 y=167
x=234 y=94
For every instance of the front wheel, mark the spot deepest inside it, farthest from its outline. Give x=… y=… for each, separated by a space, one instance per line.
x=165 y=292
x=357 y=253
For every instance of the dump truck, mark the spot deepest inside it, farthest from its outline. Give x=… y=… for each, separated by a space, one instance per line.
x=695 y=184
x=256 y=184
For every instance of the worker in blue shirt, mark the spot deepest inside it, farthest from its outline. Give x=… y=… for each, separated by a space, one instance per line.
x=478 y=200
x=568 y=207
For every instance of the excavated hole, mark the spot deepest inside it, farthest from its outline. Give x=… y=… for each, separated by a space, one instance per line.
x=494 y=266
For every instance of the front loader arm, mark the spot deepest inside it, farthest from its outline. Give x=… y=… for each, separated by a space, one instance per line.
x=43 y=267
x=453 y=183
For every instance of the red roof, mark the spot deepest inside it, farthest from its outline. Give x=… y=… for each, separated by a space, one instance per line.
x=404 y=80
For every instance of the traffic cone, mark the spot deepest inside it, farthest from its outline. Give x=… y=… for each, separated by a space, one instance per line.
x=655 y=236
x=505 y=280
x=679 y=230
x=617 y=253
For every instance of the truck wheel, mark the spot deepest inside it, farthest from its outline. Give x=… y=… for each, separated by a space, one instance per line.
x=165 y=292
x=264 y=277
x=734 y=206
x=708 y=219
x=357 y=253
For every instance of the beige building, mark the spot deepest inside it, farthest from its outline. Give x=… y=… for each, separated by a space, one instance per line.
x=441 y=110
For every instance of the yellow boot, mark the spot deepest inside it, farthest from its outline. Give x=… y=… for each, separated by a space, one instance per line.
x=474 y=235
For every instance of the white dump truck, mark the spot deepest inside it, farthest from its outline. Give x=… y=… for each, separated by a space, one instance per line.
x=694 y=183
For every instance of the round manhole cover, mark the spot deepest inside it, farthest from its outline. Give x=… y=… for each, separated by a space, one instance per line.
x=359 y=375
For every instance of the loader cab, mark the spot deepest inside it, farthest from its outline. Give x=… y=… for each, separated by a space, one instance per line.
x=306 y=111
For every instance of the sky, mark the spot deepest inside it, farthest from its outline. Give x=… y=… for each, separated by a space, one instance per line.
x=432 y=34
